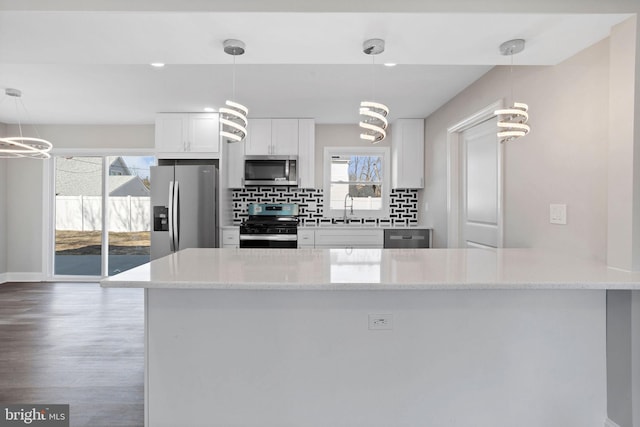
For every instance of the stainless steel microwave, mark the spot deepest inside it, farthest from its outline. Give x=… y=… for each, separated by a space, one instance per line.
x=271 y=170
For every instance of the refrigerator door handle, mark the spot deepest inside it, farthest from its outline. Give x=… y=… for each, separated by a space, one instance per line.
x=176 y=216
x=171 y=216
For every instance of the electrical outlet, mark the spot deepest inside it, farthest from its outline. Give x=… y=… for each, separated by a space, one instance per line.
x=558 y=214
x=381 y=321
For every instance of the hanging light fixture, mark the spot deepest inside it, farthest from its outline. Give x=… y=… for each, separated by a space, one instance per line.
x=512 y=121
x=22 y=146
x=233 y=120
x=373 y=114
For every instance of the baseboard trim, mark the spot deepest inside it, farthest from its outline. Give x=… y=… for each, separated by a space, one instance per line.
x=609 y=423
x=3 y=278
x=23 y=277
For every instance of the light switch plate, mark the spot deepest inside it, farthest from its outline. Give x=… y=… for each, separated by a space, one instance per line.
x=558 y=214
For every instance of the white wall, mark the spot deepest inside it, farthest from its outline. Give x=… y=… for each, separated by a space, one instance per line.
x=3 y=212
x=562 y=160
x=24 y=218
x=97 y=136
x=623 y=240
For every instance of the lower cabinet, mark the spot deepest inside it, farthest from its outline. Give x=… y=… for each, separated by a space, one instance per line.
x=306 y=238
x=230 y=238
x=338 y=238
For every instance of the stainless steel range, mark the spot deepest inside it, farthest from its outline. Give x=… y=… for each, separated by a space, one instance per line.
x=270 y=225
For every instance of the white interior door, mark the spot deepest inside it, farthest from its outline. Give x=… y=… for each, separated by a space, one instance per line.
x=481 y=187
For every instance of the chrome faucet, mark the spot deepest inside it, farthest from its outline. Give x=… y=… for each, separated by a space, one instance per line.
x=344 y=216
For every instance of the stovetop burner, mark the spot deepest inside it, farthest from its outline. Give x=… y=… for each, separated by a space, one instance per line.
x=265 y=218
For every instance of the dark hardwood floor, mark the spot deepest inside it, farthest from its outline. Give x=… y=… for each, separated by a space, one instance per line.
x=76 y=344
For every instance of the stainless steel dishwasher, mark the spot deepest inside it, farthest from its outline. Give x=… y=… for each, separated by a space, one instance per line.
x=407 y=238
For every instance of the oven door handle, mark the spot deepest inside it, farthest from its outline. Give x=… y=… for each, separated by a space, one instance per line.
x=272 y=237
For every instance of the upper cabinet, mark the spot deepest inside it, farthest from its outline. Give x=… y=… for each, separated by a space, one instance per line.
x=287 y=137
x=407 y=153
x=306 y=153
x=272 y=137
x=187 y=135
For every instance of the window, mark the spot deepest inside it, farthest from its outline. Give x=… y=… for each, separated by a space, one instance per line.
x=358 y=177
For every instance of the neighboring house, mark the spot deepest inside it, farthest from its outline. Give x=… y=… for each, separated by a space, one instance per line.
x=82 y=176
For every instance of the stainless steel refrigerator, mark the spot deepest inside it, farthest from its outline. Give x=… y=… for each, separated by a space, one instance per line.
x=184 y=208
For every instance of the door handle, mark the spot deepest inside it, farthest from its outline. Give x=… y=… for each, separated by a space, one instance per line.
x=176 y=216
x=172 y=247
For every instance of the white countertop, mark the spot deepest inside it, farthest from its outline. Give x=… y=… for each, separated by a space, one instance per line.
x=372 y=269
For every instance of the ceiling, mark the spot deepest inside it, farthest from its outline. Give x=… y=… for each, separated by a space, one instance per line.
x=82 y=67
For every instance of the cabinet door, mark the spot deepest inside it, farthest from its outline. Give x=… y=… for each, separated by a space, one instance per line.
x=284 y=137
x=408 y=153
x=349 y=238
x=258 y=141
x=306 y=153
x=171 y=132
x=230 y=237
x=204 y=135
x=305 y=238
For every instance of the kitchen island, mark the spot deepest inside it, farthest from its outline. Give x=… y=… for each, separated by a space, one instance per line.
x=375 y=337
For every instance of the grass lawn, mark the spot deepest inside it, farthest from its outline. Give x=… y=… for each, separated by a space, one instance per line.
x=90 y=242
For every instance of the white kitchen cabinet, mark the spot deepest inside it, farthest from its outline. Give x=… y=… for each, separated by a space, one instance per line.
x=187 y=135
x=258 y=141
x=336 y=238
x=407 y=153
x=306 y=238
x=306 y=153
x=284 y=137
x=230 y=237
x=234 y=159
x=272 y=137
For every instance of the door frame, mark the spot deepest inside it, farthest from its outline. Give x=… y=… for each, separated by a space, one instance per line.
x=454 y=174
x=49 y=202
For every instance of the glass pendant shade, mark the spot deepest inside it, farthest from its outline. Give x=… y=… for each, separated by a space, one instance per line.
x=233 y=121
x=373 y=121
x=373 y=115
x=233 y=117
x=512 y=121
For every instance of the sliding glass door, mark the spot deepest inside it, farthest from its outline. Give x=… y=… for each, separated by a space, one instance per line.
x=102 y=214
x=129 y=206
x=78 y=209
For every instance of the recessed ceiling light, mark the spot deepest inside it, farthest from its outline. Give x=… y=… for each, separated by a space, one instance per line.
x=157 y=64
x=209 y=110
x=390 y=64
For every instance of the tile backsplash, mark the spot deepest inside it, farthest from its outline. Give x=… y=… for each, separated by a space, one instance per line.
x=403 y=205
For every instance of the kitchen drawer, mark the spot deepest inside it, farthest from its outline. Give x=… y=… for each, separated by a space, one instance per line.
x=407 y=238
x=348 y=238
x=306 y=238
x=230 y=237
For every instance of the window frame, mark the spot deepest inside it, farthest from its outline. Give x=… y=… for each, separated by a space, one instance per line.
x=383 y=152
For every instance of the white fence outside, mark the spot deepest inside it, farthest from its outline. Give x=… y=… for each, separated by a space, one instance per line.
x=84 y=213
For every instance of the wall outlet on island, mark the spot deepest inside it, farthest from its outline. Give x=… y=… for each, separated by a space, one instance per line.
x=381 y=321
x=558 y=214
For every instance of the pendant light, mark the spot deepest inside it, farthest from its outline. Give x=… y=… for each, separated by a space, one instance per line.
x=22 y=146
x=233 y=120
x=512 y=121
x=373 y=114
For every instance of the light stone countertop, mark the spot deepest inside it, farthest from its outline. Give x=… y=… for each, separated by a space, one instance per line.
x=372 y=269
